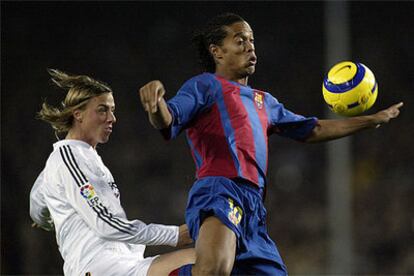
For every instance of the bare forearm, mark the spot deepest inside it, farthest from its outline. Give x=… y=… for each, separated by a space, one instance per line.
x=152 y=99
x=327 y=130
x=162 y=117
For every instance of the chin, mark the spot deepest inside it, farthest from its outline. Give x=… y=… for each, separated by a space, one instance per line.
x=248 y=71
x=104 y=140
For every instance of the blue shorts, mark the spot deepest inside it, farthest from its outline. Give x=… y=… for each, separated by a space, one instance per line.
x=239 y=206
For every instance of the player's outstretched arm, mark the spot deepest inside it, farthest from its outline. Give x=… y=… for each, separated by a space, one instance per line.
x=327 y=130
x=152 y=99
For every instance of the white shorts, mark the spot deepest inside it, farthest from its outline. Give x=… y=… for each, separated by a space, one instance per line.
x=114 y=265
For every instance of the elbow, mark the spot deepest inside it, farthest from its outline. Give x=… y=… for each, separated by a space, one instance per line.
x=310 y=140
x=313 y=136
x=36 y=212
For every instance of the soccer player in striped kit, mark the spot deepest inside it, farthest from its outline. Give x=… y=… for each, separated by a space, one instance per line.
x=77 y=196
x=227 y=124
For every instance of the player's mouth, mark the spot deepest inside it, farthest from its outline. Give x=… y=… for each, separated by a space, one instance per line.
x=108 y=130
x=252 y=61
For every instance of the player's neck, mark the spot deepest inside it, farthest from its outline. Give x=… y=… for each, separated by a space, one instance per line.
x=78 y=134
x=232 y=77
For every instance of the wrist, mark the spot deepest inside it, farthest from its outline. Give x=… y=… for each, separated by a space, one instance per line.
x=373 y=121
x=177 y=237
x=162 y=118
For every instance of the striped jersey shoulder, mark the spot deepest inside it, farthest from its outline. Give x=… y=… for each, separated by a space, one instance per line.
x=73 y=159
x=202 y=82
x=83 y=156
x=203 y=77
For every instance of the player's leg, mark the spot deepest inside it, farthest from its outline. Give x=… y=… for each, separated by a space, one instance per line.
x=260 y=256
x=215 y=248
x=214 y=216
x=165 y=263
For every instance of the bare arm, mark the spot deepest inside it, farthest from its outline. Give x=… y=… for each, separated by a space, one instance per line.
x=152 y=99
x=327 y=130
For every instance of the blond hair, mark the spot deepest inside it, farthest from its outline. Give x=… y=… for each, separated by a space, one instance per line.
x=79 y=89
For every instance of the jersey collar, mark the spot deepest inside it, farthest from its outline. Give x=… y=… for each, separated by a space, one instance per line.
x=72 y=142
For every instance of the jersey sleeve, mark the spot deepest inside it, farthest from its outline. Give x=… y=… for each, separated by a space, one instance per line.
x=288 y=124
x=99 y=211
x=38 y=209
x=194 y=96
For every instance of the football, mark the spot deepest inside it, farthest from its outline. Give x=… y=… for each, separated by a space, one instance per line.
x=349 y=88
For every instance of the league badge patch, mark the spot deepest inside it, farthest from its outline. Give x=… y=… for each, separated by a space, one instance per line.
x=258 y=98
x=87 y=191
x=235 y=214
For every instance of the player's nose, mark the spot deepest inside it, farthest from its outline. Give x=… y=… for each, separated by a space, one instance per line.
x=111 y=117
x=250 y=46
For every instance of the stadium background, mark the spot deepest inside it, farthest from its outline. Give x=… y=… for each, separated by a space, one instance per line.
x=129 y=43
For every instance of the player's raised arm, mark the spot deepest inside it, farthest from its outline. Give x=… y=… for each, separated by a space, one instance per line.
x=152 y=99
x=326 y=130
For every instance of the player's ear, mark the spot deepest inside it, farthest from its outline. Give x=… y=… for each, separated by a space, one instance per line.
x=215 y=51
x=78 y=115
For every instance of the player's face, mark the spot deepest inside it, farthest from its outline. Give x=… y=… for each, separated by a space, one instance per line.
x=98 y=118
x=238 y=52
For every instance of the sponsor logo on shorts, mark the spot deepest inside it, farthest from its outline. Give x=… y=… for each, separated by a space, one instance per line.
x=235 y=214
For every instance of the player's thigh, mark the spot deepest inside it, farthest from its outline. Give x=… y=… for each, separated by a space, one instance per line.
x=216 y=243
x=110 y=264
x=165 y=263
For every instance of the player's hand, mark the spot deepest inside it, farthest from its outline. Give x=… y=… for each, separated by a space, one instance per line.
x=184 y=236
x=49 y=226
x=151 y=94
x=384 y=116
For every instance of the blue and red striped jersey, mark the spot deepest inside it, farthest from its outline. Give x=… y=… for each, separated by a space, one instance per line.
x=228 y=124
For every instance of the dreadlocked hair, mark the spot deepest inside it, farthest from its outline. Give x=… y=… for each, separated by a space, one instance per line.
x=213 y=33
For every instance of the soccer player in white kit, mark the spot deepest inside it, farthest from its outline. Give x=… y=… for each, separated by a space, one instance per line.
x=76 y=194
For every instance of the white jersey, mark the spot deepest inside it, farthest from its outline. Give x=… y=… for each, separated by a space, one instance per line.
x=83 y=200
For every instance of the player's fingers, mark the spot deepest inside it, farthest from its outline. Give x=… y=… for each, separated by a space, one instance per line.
x=399 y=105
x=161 y=93
x=151 y=94
x=150 y=99
x=396 y=112
x=141 y=94
x=153 y=101
x=145 y=93
x=153 y=108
